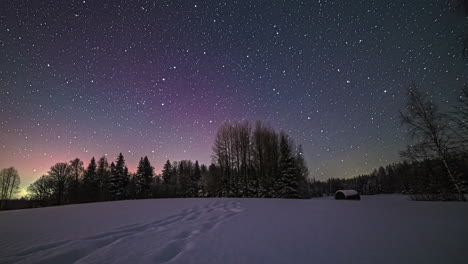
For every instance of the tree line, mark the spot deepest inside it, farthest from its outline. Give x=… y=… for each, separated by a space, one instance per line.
x=412 y=178
x=248 y=161
x=67 y=183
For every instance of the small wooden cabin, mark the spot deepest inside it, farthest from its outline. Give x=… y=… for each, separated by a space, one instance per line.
x=347 y=195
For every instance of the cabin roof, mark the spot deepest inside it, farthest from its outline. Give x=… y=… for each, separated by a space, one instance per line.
x=348 y=192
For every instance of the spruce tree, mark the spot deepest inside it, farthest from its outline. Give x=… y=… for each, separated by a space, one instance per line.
x=184 y=178
x=144 y=178
x=118 y=179
x=148 y=174
x=90 y=182
x=287 y=186
x=120 y=165
x=175 y=183
x=195 y=180
x=138 y=180
x=133 y=186
x=167 y=172
x=125 y=181
x=113 y=183
x=167 y=179
x=103 y=177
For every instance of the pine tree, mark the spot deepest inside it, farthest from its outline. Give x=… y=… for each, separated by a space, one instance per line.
x=184 y=178
x=103 y=178
x=168 y=179
x=148 y=174
x=167 y=172
x=125 y=181
x=119 y=179
x=138 y=180
x=133 y=186
x=156 y=188
x=144 y=178
x=174 y=184
x=90 y=182
x=113 y=183
x=195 y=180
x=288 y=186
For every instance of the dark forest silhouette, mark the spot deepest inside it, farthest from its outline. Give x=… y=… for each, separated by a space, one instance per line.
x=248 y=162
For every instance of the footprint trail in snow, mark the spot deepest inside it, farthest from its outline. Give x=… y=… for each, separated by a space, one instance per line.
x=159 y=241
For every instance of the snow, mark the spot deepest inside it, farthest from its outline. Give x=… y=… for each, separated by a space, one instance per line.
x=377 y=229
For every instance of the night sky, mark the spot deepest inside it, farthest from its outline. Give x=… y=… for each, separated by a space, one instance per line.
x=92 y=78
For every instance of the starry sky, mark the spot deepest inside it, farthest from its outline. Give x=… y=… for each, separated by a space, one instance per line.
x=157 y=78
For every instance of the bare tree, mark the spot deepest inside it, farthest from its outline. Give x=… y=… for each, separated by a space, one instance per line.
x=266 y=155
x=9 y=184
x=459 y=116
x=245 y=162
x=76 y=174
x=240 y=151
x=415 y=152
x=231 y=150
x=42 y=189
x=429 y=127
x=60 y=174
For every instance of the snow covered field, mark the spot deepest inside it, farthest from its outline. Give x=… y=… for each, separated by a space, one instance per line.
x=377 y=229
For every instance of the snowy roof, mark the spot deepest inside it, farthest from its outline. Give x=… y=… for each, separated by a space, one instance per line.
x=348 y=192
